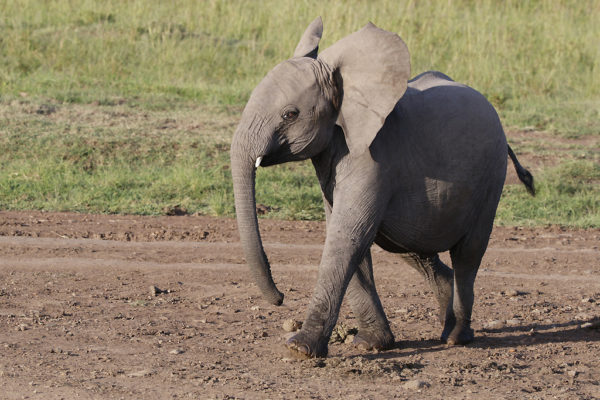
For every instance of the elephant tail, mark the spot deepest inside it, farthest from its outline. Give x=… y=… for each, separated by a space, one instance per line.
x=524 y=175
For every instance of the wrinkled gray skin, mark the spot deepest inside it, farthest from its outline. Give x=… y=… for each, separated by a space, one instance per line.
x=416 y=167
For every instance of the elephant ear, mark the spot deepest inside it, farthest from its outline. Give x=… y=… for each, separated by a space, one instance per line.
x=374 y=66
x=309 y=43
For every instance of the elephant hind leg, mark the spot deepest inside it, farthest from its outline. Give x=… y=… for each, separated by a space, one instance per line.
x=466 y=257
x=438 y=275
x=457 y=329
x=373 y=327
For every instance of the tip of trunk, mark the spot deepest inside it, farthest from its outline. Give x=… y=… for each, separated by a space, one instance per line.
x=276 y=298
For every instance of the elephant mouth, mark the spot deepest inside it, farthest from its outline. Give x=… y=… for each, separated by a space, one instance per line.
x=268 y=161
x=282 y=155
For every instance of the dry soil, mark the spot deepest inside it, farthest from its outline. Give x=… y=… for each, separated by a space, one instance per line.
x=107 y=307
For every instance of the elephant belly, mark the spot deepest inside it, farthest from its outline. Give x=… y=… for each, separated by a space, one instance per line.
x=429 y=219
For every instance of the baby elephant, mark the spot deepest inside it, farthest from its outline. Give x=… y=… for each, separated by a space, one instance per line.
x=415 y=166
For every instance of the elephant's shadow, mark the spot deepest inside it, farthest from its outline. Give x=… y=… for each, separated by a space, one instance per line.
x=530 y=335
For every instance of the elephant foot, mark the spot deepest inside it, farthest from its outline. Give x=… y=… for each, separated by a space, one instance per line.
x=460 y=336
x=456 y=334
x=304 y=349
x=368 y=341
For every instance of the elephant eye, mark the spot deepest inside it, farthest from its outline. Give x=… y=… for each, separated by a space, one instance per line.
x=290 y=115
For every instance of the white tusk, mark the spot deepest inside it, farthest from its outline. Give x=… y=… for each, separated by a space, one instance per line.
x=258 y=160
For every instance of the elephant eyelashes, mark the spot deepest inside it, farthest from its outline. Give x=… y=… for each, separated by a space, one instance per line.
x=290 y=115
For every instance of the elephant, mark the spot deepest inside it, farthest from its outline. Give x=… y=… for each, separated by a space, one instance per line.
x=416 y=166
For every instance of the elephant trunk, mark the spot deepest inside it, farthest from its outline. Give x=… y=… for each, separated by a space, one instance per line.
x=244 y=172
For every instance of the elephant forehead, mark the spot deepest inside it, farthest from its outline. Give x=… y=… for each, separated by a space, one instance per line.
x=289 y=82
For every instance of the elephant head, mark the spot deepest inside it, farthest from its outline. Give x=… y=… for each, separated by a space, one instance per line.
x=291 y=115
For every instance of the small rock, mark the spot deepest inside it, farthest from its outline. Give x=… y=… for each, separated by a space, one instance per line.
x=512 y=293
x=154 y=291
x=255 y=308
x=341 y=332
x=572 y=373
x=591 y=325
x=264 y=334
x=495 y=324
x=176 y=351
x=587 y=300
x=262 y=209
x=291 y=325
x=334 y=362
x=416 y=384
x=582 y=316
x=513 y=322
x=46 y=109
x=175 y=210
x=140 y=374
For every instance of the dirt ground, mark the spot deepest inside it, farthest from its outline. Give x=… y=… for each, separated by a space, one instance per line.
x=108 y=307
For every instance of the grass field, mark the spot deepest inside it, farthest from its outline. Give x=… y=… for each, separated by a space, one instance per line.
x=129 y=107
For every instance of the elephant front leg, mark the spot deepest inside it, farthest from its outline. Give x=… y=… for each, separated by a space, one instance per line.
x=350 y=233
x=373 y=327
x=313 y=338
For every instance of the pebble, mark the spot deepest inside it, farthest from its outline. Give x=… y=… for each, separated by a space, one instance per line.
x=416 y=384
x=591 y=325
x=513 y=322
x=154 y=291
x=291 y=325
x=582 y=316
x=587 y=300
x=512 y=293
x=140 y=374
x=177 y=351
x=495 y=324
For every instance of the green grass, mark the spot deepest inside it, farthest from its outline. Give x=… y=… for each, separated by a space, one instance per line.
x=129 y=106
x=538 y=61
x=86 y=158
x=89 y=159
x=567 y=194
